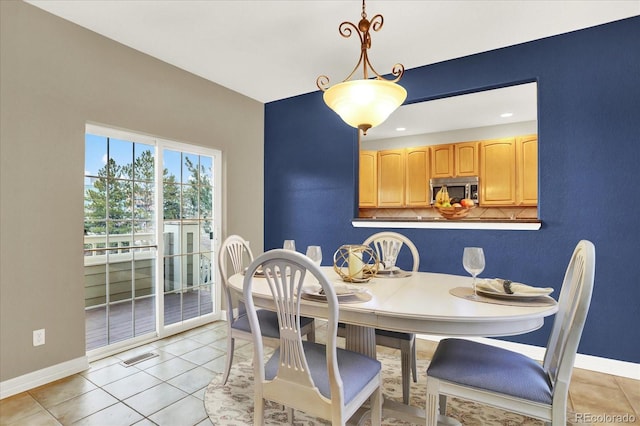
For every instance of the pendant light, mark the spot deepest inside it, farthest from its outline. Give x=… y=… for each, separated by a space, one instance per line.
x=367 y=102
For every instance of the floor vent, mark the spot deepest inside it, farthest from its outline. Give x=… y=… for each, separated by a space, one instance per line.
x=139 y=358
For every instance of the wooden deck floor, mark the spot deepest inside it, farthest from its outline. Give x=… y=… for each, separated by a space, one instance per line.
x=123 y=324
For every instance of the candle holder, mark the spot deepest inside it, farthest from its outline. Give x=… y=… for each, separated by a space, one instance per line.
x=356 y=263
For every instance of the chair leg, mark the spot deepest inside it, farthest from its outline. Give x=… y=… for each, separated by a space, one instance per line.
x=558 y=414
x=432 y=402
x=405 y=369
x=376 y=406
x=311 y=335
x=258 y=411
x=227 y=368
x=414 y=360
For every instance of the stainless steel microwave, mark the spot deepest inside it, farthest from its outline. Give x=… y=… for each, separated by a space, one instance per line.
x=458 y=188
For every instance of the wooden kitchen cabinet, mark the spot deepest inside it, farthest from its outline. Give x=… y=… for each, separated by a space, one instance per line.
x=403 y=177
x=417 y=177
x=391 y=178
x=527 y=169
x=368 y=181
x=442 y=161
x=454 y=160
x=466 y=159
x=507 y=169
x=498 y=172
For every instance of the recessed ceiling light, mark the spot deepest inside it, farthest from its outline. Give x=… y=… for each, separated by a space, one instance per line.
x=506 y=114
x=401 y=129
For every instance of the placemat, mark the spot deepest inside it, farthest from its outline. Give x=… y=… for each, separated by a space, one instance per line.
x=465 y=292
x=399 y=273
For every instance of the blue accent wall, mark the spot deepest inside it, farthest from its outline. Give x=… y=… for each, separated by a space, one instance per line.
x=589 y=154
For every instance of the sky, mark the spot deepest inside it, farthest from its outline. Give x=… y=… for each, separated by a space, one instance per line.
x=123 y=153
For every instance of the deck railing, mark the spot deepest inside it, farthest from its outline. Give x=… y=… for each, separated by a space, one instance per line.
x=120 y=247
x=130 y=258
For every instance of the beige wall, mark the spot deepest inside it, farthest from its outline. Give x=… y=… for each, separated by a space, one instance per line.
x=55 y=77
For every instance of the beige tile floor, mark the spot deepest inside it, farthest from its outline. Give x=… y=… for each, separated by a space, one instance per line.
x=169 y=389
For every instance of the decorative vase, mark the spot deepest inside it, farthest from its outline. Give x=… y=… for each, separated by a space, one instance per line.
x=355 y=263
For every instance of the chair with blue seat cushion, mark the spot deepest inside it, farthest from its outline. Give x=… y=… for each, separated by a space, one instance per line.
x=235 y=250
x=388 y=245
x=321 y=380
x=512 y=381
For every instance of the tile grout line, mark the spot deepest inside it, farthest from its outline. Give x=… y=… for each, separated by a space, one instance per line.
x=627 y=396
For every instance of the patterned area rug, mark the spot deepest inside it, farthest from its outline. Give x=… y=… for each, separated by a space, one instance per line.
x=232 y=404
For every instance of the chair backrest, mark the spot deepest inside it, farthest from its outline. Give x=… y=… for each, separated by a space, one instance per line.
x=387 y=246
x=285 y=273
x=235 y=250
x=573 y=305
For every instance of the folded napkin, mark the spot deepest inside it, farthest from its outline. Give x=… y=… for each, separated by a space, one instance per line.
x=348 y=289
x=497 y=285
x=340 y=289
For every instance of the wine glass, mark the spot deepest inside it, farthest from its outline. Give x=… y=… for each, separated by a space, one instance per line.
x=315 y=253
x=473 y=262
x=289 y=245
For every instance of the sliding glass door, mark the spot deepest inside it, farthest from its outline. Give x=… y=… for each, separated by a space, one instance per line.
x=132 y=183
x=120 y=247
x=188 y=235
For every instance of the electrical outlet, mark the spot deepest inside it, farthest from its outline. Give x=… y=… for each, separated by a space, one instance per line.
x=38 y=337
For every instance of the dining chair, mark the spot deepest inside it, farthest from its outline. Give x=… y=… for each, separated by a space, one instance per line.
x=236 y=250
x=512 y=381
x=321 y=380
x=387 y=246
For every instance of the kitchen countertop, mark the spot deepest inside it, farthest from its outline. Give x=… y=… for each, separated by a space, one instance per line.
x=441 y=223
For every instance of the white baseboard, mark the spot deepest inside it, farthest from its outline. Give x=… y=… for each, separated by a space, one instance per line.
x=587 y=362
x=41 y=377
x=55 y=372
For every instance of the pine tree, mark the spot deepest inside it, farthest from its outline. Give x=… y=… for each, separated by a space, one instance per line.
x=122 y=196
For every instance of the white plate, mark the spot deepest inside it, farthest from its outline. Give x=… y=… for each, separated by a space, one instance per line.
x=342 y=292
x=323 y=297
x=358 y=296
x=497 y=295
x=259 y=272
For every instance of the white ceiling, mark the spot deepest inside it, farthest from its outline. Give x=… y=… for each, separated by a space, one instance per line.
x=469 y=111
x=270 y=50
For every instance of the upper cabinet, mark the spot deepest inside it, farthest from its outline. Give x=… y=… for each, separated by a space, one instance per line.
x=368 y=182
x=498 y=172
x=454 y=160
x=417 y=177
x=466 y=159
x=391 y=177
x=398 y=178
x=509 y=171
x=442 y=161
x=527 y=165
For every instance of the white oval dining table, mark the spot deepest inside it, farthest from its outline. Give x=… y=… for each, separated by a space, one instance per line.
x=420 y=303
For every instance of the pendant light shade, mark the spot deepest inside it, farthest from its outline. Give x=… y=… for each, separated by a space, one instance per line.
x=367 y=102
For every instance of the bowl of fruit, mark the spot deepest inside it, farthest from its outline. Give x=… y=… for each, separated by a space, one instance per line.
x=451 y=208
